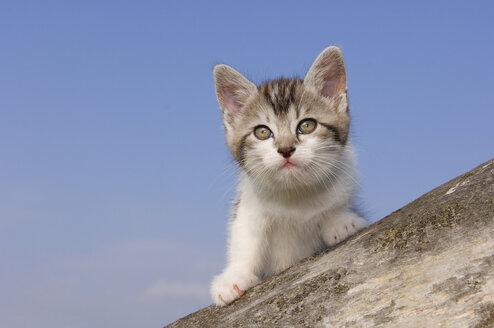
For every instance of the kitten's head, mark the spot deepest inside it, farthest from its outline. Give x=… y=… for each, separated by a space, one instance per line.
x=287 y=133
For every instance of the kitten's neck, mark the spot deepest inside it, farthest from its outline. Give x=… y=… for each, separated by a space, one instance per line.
x=298 y=204
x=294 y=196
x=283 y=193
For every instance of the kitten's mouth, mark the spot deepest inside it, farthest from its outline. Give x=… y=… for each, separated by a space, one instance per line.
x=288 y=164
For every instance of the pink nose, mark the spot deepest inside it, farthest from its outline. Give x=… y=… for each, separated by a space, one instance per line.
x=286 y=151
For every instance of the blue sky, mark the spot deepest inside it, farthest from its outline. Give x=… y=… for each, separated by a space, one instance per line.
x=114 y=175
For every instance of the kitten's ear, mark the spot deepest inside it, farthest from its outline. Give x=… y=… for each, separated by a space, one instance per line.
x=232 y=89
x=327 y=74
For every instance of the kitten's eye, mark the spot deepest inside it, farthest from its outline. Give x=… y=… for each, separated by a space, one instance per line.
x=306 y=126
x=262 y=132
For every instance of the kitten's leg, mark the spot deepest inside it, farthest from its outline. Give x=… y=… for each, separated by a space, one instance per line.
x=245 y=259
x=341 y=225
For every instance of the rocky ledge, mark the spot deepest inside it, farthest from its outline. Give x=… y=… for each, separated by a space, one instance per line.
x=428 y=264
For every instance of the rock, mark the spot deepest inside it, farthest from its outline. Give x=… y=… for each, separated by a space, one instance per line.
x=428 y=264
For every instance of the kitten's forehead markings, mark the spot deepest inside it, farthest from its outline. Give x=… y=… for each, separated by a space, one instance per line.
x=267 y=117
x=297 y=109
x=280 y=94
x=274 y=91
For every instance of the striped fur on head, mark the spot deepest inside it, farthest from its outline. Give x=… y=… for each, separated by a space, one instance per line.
x=281 y=105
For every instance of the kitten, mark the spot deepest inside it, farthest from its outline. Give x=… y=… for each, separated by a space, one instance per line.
x=290 y=138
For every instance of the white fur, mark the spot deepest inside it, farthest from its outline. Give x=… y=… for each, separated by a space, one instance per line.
x=272 y=232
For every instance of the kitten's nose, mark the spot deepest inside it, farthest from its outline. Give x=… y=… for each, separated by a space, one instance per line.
x=286 y=151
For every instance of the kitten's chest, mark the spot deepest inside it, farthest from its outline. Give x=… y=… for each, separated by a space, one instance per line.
x=288 y=243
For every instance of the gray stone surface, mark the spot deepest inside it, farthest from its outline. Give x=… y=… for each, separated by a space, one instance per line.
x=429 y=264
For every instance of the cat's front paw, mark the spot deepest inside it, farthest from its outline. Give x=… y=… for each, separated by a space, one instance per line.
x=341 y=227
x=230 y=285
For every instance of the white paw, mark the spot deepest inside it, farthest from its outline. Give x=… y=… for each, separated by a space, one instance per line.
x=231 y=285
x=341 y=227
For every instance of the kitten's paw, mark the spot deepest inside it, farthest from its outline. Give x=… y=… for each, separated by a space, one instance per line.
x=341 y=227
x=230 y=285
